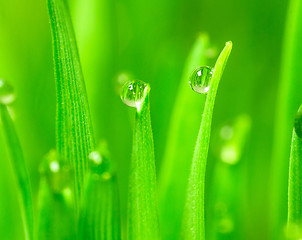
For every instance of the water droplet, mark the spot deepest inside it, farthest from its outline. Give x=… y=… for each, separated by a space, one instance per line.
x=98 y=164
x=298 y=122
x=7 y=95
x=200 y=79
x=57 y=171
x=226 y=132
x=229 y=154
x=133 y=93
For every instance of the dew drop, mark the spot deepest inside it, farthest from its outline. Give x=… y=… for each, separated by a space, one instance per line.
x=57 y=171
x=98 y=164
x=298 y=122
x=133 y=93
x=7 y=95
x=200 y=79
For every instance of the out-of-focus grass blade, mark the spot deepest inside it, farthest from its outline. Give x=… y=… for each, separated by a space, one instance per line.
x=290 y=98
x=142 y=202
x=100 y=212
x=193 y=221
x=294 y=220
x=56 y=214
x=177 y=159
x=56 y=196
x=74 y=131
x=226 y=204
x=20 y=170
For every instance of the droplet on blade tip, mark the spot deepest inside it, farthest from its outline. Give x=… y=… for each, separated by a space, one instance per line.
x=133 y=93
x=200 y=79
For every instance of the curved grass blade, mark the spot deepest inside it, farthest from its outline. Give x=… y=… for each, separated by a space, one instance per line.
x=294 y=219
x=176 y=163
x=289 y=100
x=142 y=201
x=193 y=221
x=74 y=129
x=100 y=212
x=20 y=171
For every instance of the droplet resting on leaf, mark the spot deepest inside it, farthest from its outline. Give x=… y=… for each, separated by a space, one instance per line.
x=133 y=93
x=200 y=79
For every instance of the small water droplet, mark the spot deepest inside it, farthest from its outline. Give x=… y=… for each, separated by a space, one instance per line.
x=98 y=164
x=229 y=154
x=133 y=93
x=298 y=122
x=226 y=132
x=57 y=172
x=7 y=95
x=200 y=79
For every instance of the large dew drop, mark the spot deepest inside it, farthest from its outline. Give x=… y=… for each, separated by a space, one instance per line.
x=7 y=95
x=200 y=79
x=298 y=123
x=133 y=93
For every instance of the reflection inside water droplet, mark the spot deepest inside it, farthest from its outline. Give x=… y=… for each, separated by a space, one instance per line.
x=7 y=95
x=200 y=79
x=133 y=93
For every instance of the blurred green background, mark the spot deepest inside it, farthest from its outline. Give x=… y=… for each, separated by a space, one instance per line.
x=150 y=40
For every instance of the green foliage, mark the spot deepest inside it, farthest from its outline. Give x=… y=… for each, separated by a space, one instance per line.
x=100 y=212
x=74 y=131
x=294 y=219
x=290 y=99
x=194 y=219
x=176 y=163
x=142 y=219
x=20 y=170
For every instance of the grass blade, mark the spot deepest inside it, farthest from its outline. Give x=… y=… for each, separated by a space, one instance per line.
x=194 y=225
x=100 y=213
x=226 y=201
x=20 y=171
x=289 y=100
x=56 y=206
x=74 y=131
x=142 y=201
x=294 y=220
x=176 y=164
x=56 y=214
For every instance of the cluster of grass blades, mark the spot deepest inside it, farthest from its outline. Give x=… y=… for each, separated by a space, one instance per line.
x=78 y=195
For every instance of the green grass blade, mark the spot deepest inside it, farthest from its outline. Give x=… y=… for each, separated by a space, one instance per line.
x=74 y=131
x=100 y=219
x=56 y=214
x=100 y=212
x=142 y=202
x=294 y=220
x=177 y=159
x=289 y=100
x=226 y=203
x=20 y=171
x=194 y=222
x=56 y=198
